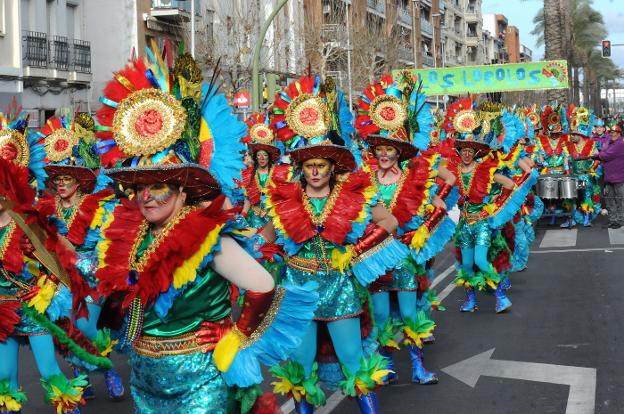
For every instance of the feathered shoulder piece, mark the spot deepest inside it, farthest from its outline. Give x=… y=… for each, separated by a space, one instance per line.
x=89 y=211
x=169 y=264
x=413 y=191
x=454 y=120
x=481 y=180
x=343 y=219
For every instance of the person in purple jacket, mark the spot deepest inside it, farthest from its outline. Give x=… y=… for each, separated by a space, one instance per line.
x=600 y=131
x=611 y=156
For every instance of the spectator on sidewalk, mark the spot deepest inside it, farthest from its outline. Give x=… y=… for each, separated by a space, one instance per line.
x=611 y=156
x=600 y=132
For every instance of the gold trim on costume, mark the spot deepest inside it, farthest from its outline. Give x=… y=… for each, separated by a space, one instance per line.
x=157 y=347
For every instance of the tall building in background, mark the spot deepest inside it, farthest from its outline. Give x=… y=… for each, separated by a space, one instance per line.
x=508 y=48
x=463 y=33
x=45 y=56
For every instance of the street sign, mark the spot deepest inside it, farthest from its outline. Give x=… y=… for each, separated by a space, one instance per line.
x=582 y=381
x=242 y=99
x=462 y=80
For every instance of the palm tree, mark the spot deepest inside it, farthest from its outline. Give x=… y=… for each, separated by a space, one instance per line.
x=553 y=42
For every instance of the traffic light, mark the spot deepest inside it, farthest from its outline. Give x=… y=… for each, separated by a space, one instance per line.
x=606 y=48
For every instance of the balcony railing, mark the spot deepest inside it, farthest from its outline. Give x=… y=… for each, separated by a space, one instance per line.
x=428 y=60
x=406 y=54
x=173 y=4
x=334 y=33
x=56 y=52
x=405 y=16
x=377 y=5
x=426 y=27
x=59 y=53
x=35 y=45
x=441 y=6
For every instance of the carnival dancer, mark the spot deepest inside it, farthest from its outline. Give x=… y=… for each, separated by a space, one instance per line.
x=587 y=170
x=30 y=297
x=553 y=151
x=166 y=261
x=71 y=164
x=265 y=156
x=334 y=233
x=395 y=122
x=478 y=177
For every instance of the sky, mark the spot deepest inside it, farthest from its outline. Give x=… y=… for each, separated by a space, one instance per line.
x=520 y=13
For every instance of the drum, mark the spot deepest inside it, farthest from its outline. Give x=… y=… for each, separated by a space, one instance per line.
x=548 y=187
x=567 y=187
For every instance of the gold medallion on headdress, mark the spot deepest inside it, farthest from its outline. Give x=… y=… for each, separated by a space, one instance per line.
x=148 y=121
x=388 y=112
x=13 y=147
x=261 y=133
x=308 y=116
x=59 y=144
x=466 y=121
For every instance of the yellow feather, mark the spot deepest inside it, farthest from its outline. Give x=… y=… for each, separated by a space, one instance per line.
x=187 y=272
x=226 y=350
x=342 y=260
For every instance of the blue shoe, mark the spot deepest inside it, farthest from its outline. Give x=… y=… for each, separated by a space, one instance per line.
x=87 y=391
x=72 y=411
x=303 y=407
x=568 y=224
x=502 y=302
x=587 y=220
x=368 y=403
x=391 y=377
x=419 y=374
x=506 y=283
x=553 y=221
x=114 y=385
x=429 y=340
x=470 y=305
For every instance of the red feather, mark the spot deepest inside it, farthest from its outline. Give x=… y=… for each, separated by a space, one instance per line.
x=10 y=319
x=176 y=247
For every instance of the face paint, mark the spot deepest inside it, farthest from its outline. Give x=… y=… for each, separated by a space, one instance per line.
x=388 y=157
x=159 y=193
x=262 y=157
x=66 y=186
x=467 y=155
x=317 y=172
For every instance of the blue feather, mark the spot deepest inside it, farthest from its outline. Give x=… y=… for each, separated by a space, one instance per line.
x=514 y=202
x=279 y=340
x=380 y=262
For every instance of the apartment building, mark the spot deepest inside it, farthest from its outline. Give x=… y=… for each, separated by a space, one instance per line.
x=463 y=33
x=45 y=56
x=509 y=48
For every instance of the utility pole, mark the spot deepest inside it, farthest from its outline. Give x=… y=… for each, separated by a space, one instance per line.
x=256 y=94
x=193 y=28
x=349 y=49
x=416 y=33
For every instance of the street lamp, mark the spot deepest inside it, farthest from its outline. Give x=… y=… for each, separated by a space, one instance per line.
x=416 y=32
x=435 y=52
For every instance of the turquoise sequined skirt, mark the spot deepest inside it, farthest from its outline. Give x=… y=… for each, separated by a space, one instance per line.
x=338 y=297
x=471 y=235
x=178 y=384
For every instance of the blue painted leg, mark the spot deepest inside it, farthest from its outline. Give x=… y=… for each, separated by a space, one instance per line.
x=587 y=220
x=502 y=301
x=368 y=403
x=505 y=283
x=393 y=376
x=303 y=407
x=114 y=384
x=419 y=374
x=470 y=305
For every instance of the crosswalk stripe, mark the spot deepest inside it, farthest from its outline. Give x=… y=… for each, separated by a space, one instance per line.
x=559 y=238
x=616 y=236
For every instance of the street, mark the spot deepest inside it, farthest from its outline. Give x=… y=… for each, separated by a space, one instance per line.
x=563 y=329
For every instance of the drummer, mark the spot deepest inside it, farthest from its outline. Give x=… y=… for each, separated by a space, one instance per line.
x=553 y=156
x=587 y=170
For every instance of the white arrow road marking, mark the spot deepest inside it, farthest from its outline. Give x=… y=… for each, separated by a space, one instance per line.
x=582 y=381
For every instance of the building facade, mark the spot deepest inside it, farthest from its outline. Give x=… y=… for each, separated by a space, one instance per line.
x=45 y=56
x=463 y=33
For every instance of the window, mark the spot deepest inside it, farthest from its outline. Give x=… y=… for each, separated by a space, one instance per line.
x=2 y=21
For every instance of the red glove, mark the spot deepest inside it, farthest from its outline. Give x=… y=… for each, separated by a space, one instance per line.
x=212 y=332
x=28 y=295
x=26 y=246
x=269 y=251
x=444 y=191
x=372 y=238
x=254 y=310
x=520 y=179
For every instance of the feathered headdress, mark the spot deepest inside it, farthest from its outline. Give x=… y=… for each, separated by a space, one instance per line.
x=581 y=121
x=389 y=113
x=260 y=135
x=159 y=123
x=312 y=119
x=554 y=119
x=464 y=123
x=70 y=148
x=19 y=146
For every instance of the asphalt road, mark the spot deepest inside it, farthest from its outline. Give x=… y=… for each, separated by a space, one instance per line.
x=566 y=311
